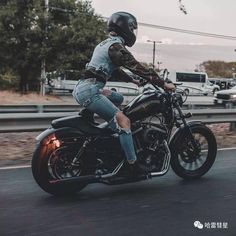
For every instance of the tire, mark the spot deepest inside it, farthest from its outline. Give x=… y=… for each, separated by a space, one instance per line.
x=178 y=153
x=215 y=90
x=43 y=176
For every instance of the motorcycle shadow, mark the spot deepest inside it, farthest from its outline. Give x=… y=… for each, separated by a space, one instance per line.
x=158 y=188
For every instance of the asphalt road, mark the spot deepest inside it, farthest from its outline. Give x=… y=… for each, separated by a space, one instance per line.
x=166 y=206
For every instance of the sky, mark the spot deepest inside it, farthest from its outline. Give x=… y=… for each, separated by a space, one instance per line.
x=212 y=16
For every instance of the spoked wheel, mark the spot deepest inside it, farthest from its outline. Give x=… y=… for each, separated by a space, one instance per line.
x=60 y=164
x=189 y=162
x=52 y=163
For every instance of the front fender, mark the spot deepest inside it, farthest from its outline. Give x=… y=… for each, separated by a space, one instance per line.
x=60 y=133
x=180 y=133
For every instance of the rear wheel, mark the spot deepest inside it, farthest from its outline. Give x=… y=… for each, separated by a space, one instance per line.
x=52 y=162
x=189 y=163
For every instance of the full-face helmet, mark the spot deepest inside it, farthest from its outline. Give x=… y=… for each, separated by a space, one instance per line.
x=125 y=25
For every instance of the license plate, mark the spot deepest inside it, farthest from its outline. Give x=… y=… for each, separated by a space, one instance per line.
x=220 y=101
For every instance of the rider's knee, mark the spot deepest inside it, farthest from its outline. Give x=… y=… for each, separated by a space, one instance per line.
x=120 y=123
x=122 y=120
x=119 y=99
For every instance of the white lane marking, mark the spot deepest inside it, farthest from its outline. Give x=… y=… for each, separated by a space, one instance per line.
x=28 y=166
x=225 y=149
x=14 y=167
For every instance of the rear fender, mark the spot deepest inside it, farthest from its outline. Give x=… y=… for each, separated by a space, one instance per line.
x=181 y=132
x=49 y=134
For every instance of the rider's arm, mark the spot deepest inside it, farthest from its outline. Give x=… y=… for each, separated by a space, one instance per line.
x=121 y=75
x=120 y=56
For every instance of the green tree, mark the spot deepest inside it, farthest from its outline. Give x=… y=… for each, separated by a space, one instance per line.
x=218 y=69
x=65 y=38
x=74 y=36
x=18 y=39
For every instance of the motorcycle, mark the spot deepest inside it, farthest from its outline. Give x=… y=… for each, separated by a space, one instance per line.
x=75 y=152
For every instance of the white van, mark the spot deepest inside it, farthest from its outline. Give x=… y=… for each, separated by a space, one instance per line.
x=194 y=82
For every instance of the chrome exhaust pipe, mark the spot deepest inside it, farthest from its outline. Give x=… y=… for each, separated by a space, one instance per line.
x=88 y=179
x=166 y=163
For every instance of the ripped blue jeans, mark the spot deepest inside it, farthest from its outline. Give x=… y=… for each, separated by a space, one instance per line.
x=88 y=93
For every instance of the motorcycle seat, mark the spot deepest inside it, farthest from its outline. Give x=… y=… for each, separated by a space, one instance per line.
x=82 y=124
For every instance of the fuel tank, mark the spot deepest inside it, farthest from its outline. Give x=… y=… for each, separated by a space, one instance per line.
x=149 y=103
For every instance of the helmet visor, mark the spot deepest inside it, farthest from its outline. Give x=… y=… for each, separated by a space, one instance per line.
x=133 y=27
x=135 y=31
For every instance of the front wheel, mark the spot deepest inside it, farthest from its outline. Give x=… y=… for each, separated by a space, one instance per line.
x=189 y=163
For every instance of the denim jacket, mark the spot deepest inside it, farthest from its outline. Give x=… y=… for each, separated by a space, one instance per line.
x=110 y=55
x=101 y=60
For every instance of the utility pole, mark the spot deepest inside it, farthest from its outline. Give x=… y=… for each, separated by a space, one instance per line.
x=154 y=51
x=44 y=44
x=43 y=63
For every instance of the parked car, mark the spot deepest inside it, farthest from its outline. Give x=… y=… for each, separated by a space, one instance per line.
x=223 y=83
x=226 y=96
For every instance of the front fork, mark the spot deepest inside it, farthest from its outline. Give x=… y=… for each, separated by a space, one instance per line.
x=188 y=129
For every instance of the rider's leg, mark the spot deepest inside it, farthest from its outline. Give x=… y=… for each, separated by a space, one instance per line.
x=113 y=96
x=90 y=96
x=125 y=136
x=118 y=122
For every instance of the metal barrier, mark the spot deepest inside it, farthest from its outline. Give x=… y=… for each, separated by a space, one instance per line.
x=44 y=108
x=39 y=121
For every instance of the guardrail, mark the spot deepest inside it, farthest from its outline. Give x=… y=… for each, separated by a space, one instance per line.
x=45 y=108
x=38 y=108
x=39 y=121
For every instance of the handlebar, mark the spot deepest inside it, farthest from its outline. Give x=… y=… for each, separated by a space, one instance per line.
x=143 y=82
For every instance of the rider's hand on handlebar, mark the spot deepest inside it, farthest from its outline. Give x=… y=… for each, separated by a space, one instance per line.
x=169 y=86
x=137 y=82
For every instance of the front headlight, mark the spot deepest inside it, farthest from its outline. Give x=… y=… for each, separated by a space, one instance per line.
x=233 y=96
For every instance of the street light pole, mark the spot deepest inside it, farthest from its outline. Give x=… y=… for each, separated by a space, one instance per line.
x=154 y=51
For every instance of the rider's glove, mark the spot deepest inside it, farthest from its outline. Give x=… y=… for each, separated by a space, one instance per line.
x=169 y=86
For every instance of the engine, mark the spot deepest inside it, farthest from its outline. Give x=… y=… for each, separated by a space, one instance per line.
x=151 y=146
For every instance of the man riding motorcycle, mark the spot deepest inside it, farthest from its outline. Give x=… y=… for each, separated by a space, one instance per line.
x=107 y=58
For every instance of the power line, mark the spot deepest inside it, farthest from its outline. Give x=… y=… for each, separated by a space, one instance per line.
x=205 y=34
x=199 y=33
